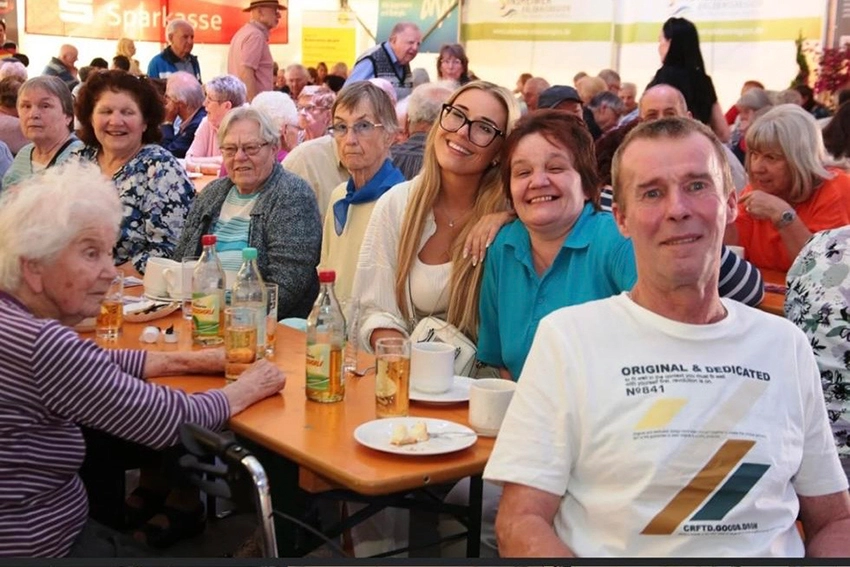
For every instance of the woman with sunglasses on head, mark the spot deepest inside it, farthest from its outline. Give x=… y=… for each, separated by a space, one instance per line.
x=412 y=254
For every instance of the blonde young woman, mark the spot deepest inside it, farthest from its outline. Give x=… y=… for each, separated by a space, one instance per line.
x=127 y=48
x=412 y=253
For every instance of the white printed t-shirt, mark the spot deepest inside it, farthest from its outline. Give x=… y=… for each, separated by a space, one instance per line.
x=670 y=439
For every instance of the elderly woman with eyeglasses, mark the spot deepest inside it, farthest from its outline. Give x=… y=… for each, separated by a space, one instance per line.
x=221 y=94
x=261 y=205
x=57 y=232
x=364 y=126
x=412 y=253
x=314 y=111
x=453 y=64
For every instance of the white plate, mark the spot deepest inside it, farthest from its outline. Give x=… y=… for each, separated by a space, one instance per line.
x=459 y=392
x=446 y=436
x=194 y=174
x=165 y=298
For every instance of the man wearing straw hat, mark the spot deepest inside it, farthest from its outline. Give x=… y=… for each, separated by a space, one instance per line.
x=249 y=56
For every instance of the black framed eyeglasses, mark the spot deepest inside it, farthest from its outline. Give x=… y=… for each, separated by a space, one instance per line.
x=481 y=133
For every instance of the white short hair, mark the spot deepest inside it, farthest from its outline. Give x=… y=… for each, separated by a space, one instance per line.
x=278 y=107
x=41 y=215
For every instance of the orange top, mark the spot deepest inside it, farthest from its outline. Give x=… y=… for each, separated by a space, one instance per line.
x=828 y=207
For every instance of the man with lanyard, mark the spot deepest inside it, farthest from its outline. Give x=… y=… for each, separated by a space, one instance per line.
x=391 y=59
x=177 y=56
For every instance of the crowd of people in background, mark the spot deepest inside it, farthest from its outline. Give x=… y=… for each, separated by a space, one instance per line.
x=486 y=206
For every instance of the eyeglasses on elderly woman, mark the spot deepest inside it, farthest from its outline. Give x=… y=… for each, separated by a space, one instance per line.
x=481 y=133
x=360 y=128
x=249 y=149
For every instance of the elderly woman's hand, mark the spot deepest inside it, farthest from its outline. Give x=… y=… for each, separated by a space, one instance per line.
x=483 y=233
x=764 y=206
x=261 y=380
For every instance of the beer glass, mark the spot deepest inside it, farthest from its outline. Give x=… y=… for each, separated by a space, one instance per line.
x=111 y=315
x=240 y=340
x=392 y=379
x=187 y=268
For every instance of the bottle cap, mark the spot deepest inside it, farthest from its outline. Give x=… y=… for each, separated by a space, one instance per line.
x=208 y=239
x=249 y=253
x=327 y=276
x=149 y=335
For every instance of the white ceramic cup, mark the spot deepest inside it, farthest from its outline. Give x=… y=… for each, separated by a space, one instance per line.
x=488 y=402
x=737 y=250
x=432 y=367
x=163 y=277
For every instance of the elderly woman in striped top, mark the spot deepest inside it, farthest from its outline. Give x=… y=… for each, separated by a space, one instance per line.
x=57 y=233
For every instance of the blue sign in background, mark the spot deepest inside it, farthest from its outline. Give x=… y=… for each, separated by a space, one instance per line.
x=424 y=13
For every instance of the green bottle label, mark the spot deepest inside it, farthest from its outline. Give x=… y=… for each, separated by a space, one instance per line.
x=206 y=314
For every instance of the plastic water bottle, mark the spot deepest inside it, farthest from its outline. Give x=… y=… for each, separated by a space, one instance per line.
x=249 y=290
x=208 y=283
x=325 y=342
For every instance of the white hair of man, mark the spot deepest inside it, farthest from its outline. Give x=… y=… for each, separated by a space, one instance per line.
x=385 y=86
x=40 y=216
x=185 y=88
x=278 y=107
x=13 y=68
x=172 y=27
x=425 y=103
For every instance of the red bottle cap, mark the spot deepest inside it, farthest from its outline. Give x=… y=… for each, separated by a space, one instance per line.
x=327 y=276
x=208 y=239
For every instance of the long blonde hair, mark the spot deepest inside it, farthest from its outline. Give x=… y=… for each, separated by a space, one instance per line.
x=466 y=278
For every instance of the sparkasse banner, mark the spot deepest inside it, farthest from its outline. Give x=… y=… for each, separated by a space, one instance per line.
x=215 y=21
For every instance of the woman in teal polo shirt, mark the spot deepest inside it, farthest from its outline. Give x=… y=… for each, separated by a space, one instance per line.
x=562 y=250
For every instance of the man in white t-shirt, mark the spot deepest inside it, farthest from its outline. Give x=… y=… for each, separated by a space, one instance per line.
x=666 y=422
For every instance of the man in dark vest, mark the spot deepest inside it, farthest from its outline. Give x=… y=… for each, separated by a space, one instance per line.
x=391 y=59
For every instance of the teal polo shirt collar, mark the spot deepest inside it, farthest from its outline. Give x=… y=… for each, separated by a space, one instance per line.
x=578 y=237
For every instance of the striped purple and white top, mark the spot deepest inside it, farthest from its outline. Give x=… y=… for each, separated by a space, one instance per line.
x=51 y=380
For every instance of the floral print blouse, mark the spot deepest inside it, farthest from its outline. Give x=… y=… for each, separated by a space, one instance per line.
x=818 y=302
x=156 y=194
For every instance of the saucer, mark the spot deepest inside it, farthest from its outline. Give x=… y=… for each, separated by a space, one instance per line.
x=459 y=392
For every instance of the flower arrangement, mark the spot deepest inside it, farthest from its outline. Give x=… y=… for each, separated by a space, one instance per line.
x=833 y=69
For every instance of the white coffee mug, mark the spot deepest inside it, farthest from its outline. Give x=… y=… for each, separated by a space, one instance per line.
x=488 y=402
x=158 y=273
x=432 y=367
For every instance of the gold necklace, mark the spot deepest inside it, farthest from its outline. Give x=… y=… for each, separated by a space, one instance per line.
x=451 y=221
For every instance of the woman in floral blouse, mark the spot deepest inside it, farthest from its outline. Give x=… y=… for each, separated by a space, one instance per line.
x=818 y=302
x=120 y=117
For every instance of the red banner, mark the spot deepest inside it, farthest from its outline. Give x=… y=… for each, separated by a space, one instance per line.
x=215 y=21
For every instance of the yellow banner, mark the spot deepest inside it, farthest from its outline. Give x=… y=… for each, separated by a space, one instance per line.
x=327 y=44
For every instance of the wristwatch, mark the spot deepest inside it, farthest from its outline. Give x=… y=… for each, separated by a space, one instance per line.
x=786 y=218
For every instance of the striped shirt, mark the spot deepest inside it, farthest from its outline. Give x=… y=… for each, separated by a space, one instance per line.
x=231 y=230
x=739 y=280
x=51 y=380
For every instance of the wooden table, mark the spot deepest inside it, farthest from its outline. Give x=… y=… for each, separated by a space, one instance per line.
x=202 y=181
x=773 y=302
x=312 y=445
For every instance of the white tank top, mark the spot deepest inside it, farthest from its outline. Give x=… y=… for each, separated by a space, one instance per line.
x=429 y=288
